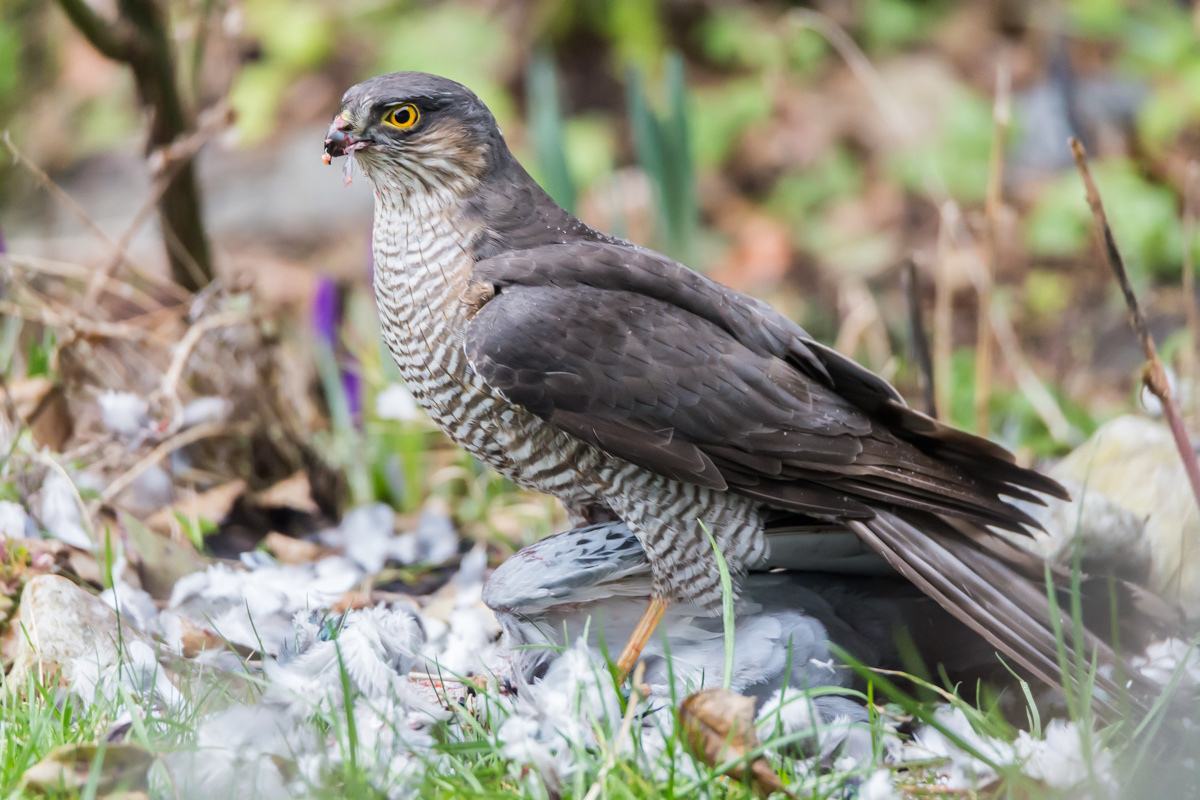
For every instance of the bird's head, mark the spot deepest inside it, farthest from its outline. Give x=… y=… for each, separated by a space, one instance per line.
x=414 y=132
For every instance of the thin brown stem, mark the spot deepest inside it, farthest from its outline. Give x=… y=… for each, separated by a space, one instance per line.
x=1154 y=376
x=992 y=207
x=165 y=163
x=1191 y=196
x=920 y=342
x=943 y=345
x=902 y=127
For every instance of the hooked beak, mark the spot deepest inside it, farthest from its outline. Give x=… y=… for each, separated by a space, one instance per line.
x=339 y=141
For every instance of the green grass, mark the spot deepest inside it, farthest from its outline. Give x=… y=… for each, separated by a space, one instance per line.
x=467 y=758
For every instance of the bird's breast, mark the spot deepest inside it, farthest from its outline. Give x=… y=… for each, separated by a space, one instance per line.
x=423 y=266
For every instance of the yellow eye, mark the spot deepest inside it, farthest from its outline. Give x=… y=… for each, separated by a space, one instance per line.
x=404 y=116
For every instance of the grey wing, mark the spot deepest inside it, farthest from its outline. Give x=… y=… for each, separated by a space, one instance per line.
x=677 y=393
x=635 y=354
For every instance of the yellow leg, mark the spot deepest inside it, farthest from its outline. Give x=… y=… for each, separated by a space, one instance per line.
x=641 y=635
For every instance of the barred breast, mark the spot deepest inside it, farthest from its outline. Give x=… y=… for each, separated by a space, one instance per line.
x=423 y=264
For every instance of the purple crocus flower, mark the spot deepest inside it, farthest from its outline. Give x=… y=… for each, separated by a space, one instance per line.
x=326 y=323
x=326 y=310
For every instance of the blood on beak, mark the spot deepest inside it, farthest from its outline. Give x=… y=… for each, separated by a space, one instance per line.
x=339 y=141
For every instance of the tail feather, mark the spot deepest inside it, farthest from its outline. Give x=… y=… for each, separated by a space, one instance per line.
x=1010 y=610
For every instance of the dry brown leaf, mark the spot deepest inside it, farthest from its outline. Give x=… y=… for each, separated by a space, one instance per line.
x=719 y=726
x=160 y=561
x=66 y=768
x=195 y=640
x=356 y=599
x=26 y=394
x=294 y=492
x=290 y=550
x=42 y=405
x=213 y=505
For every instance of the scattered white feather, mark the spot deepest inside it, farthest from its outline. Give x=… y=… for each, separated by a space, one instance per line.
x=124 y=413
x=375 y=646
x=561 y=712
x=255 y=608
x=396 y=402
x=153 y=489
x=435 y=541
x=839 y=724
x=468 y=644
x=365 y=535
x=14 y=522
x=206 y=410
x=880 y=786
x=1062 y=760
x=133 y=604
x=1164 y=658
x=238 y=753
x=95 y=677
x=60 y=512
x=964 y=770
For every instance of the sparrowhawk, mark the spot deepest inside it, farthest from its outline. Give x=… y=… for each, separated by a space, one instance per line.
x=629 y=386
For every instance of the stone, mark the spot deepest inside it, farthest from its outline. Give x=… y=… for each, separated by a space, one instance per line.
x=71 y=638
x=1133 y=463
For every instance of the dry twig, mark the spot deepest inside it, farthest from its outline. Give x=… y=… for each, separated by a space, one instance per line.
x=1154 y=376
x=140 y=36
x=992 y=206
x=169 y=389
x=78 y=272
x=920 y=342
x=165 y=164
x=205 y=430
x=1191 y=197
x=120 y=254
x=76 y=324
x=1028 y=382
x=902 y=127
x=943 y=346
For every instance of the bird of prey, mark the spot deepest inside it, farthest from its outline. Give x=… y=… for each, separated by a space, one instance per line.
x=633 y=388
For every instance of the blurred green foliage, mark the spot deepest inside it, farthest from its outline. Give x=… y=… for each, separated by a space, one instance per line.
x=720 y=115
x=800 y=198
x=456 y=41
x=546 y=128
x=891 y=24
x=663 y=142
x=740 y=36
x=957 y=153
x=10 y=55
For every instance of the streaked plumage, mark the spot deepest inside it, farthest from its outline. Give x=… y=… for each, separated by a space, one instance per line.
x=625 y=384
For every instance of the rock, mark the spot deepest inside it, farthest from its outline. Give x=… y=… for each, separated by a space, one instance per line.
x=1133 y=463
x=121 y=767
x=73 y=638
